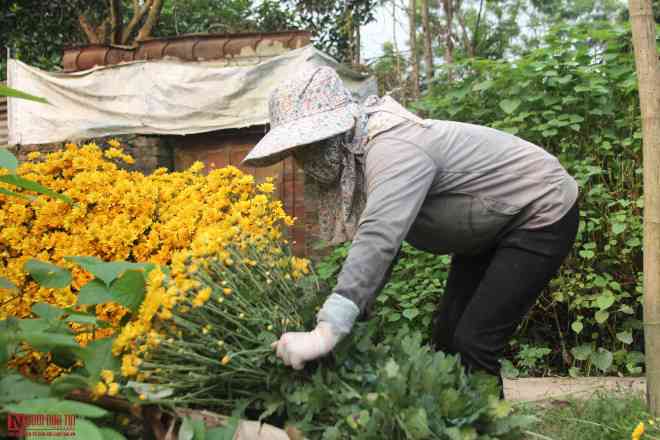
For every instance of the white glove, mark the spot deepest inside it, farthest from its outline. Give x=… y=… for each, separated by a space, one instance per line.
x=296 y=348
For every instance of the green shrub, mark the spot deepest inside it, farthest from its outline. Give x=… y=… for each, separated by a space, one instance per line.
x=577 y=97
x=398 y=390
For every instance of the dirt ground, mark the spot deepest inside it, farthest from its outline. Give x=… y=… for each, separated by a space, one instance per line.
x=557 y=388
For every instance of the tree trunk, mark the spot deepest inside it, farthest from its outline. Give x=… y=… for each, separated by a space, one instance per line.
x=448 y=6
x=648 y=72
x=151 y=21
x=428 y=42
x=138 y=15
x=115 y=21
x=358 y=48
x=414 y=59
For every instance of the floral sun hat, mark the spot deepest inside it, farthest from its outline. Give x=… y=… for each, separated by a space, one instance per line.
x=310 y=107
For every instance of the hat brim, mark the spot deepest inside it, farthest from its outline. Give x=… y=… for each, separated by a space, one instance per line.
x=282 y=140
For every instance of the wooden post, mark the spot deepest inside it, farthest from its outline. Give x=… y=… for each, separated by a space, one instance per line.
x=648 y=73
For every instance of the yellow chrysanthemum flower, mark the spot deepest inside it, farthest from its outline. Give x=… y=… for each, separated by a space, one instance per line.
x=113 y=389
x=108 y=376
x=100 y=389
x=638 y=432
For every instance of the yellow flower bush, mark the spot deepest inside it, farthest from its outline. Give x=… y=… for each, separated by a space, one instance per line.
x=164 y=218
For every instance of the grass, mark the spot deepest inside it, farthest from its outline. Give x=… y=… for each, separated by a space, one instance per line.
x=603 y=417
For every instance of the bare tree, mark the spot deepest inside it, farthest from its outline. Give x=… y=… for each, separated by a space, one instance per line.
x=648 y=72
x=428 y=41
x=414 y=58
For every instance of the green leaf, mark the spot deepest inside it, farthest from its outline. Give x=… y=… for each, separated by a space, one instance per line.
x=108 y=272
x=53 y=405
x=410 y=314
x=29 y=185
x=618 y=228
x=64 y=384
x=582 y=352
x=483 y=86
x=86 y=430
x=83 y=318
x=8 y=160
x=601 y=316
x=625 y=337
x=509 y=370
x=129 y=289
x=574 y=372
x=602 y=359
x=47 y=274
x=97 y=356
x=227 y=432
x=111 y=434
x=47 y=311
x=391 y=369
x=16 y=388
x=605 y=300
x=187 y=429
x=15 y=194
x=510 y=105
x=6 y=284
x=94 y=292
x=13 y=93
x=416 y=424
x=577 y=326
x=587 y=254
x=199 y=429
x=47 y=341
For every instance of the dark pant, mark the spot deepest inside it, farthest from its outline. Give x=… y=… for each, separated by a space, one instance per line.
x=488 y=295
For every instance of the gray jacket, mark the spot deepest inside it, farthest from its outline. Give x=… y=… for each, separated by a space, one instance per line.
x=446 y=187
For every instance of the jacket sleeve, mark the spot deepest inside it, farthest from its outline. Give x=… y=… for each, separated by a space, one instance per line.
x=399 y=175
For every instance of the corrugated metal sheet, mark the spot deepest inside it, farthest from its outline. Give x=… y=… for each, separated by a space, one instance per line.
x=4 y=129
x=192 y=47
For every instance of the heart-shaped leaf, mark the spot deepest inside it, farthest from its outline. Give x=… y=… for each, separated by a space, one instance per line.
x=95 y=292
x=602 y=359
x=510 y=105
x=577 y=326
x=601 y=316
x=47 y=311
x=47 y=274
x=129 y=289
x=625 y=337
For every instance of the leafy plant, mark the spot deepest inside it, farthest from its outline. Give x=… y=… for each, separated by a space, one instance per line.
x=398 y=390
x=577 y=97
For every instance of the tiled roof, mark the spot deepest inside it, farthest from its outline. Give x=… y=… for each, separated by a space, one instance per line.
x=191 y=47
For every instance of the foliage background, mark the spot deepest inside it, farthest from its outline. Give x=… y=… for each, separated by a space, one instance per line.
x=576 y=96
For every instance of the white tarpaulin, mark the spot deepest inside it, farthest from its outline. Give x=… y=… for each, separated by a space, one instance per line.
x=155 y=97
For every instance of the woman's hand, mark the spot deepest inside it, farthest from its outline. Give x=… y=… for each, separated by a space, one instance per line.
x=296 y=348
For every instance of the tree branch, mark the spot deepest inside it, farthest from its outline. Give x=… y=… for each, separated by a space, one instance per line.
x=115 y=21
x=152 y=20
x=138 y=15
x=88 y=29
x=475 y=37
